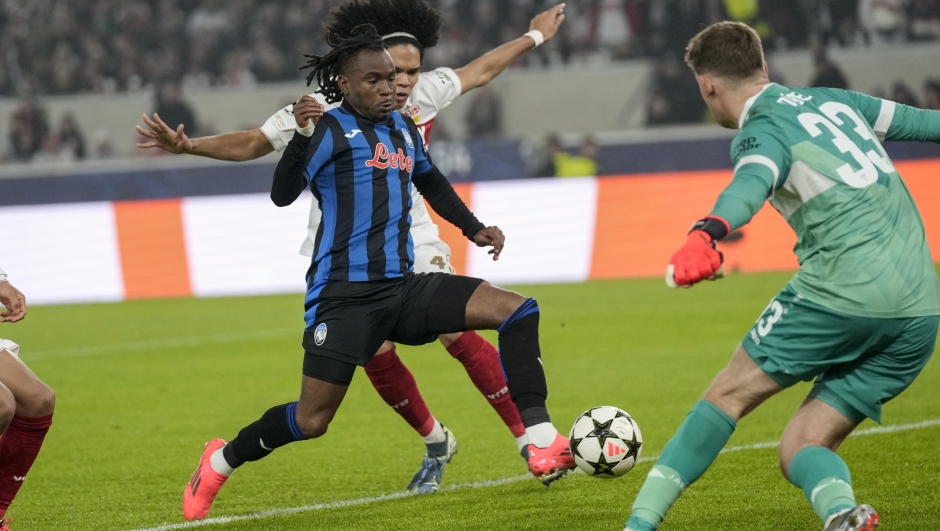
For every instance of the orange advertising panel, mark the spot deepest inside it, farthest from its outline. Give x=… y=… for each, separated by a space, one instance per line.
x=643 y=219
x=152 y=249
x=452 y=235
x=923 y=180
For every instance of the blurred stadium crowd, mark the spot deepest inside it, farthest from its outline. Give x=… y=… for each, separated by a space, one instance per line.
x=54 y=47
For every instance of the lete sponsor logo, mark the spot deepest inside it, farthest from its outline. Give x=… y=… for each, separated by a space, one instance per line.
x=383 y=159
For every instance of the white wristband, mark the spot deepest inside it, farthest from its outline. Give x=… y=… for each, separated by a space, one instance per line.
x=306 y=131
x=536 y=36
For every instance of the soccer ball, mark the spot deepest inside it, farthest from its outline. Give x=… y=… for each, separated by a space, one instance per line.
x=606 y=442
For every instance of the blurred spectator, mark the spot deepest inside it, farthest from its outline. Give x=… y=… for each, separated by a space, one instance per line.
x=29 y=128
x=826 y=73
x=71 y=138
x=485 y=113
x=552 y=148
x=901 y=92
x=676 y=97
x=925 y=20
x=173 y=110
x=885 y=21
x=932 y=94
x=106 y=45
x=584 y=164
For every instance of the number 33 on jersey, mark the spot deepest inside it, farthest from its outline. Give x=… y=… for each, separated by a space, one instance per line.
x=860 y=240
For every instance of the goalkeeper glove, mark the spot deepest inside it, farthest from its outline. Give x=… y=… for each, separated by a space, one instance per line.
x=698 y=259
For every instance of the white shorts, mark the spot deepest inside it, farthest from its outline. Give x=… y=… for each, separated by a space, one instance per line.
x=11 y=347
x=433 y=257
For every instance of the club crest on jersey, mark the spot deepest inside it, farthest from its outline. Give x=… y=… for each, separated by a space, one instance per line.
x=408 y=139
x=319 y=335
x=383 y=158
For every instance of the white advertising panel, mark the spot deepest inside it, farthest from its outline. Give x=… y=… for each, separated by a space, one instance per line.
x=549 y=228
x=58 y=254
x=244 y=245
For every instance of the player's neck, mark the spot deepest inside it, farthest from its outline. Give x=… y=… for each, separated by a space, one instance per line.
x=739 y=96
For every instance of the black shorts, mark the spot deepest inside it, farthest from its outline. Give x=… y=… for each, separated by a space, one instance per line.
x=351 y=320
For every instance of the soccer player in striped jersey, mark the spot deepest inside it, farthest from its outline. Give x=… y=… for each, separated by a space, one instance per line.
x=409 y=27
x=26 y=406
x=860 y=316
x=360 y=162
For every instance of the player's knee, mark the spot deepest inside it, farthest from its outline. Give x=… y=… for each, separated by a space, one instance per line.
x=509 y=303
x=39 y=401
x=524 y=314
x=313 y=426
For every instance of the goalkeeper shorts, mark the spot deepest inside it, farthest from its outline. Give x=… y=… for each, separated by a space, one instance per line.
x=859 y=363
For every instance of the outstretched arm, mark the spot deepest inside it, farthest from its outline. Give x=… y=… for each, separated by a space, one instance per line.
x=910 y=123
x=235 y=146
x=759 y=169
x=895 y=121
x=483 y=69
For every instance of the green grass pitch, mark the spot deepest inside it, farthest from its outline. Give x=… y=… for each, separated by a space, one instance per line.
x=142 y=385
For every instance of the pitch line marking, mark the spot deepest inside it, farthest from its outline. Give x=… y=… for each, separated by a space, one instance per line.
x=156 y=344
x=485 y=483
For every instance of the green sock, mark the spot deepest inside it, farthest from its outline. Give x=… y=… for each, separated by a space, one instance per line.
x=825 y=480
x=685 y=458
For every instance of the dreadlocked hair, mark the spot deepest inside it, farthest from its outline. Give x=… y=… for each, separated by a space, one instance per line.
x=416 y=17
x=324 y=69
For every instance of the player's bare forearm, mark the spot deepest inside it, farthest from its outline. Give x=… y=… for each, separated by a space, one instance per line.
x=483 y=69
x=442 y=197
x=236 y=146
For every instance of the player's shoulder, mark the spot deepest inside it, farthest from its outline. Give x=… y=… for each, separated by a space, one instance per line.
x=441 y=76
x=436 y=88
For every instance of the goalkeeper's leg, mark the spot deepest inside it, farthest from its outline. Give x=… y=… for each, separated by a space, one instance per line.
x=736 y=391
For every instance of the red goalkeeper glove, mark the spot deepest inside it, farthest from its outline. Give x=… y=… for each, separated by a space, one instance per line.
x=698 y=259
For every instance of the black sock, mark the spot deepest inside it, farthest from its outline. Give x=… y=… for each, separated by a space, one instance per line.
x=521 y=358
x=276 y=428
x=533 y=415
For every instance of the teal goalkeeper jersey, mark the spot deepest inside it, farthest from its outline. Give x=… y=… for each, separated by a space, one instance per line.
x=816 y=155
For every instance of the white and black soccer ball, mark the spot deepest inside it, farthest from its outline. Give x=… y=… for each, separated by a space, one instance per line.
x=606 y=442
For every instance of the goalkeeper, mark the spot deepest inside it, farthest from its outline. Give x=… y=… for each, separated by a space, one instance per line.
x=861 y=315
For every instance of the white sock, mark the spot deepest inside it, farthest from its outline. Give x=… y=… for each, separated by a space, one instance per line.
x=219 y=464
x=521 y=441
x=541 y=435
x=437 y=434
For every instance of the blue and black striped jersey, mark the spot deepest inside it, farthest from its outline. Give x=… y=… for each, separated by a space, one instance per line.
x=360 y=172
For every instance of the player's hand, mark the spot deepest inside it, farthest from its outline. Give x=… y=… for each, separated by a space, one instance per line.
x=696 y=261
x=491 y=237
x=163 y=137
x=14 y=303
x=548 y=21
x=307 y=109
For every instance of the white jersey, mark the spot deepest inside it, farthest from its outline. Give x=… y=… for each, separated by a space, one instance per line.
x=433 y=91
x=3 y=275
